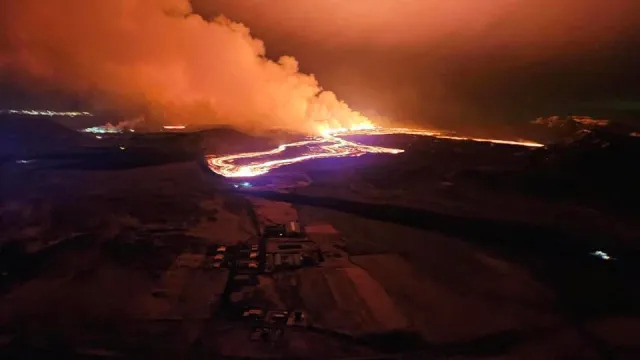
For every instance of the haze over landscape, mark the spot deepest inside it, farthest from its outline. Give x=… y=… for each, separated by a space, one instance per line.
x=460 y=65
x=212 y=179
x=161 y=59
x=470 y=66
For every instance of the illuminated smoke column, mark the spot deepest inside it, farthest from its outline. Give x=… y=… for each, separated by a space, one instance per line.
x=109 y=128
x=158 y=58
x=329 y=145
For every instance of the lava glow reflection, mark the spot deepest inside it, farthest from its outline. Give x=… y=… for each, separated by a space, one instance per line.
x=329 y=145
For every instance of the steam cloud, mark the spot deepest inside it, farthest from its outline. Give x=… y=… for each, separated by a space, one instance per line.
x=158 y=56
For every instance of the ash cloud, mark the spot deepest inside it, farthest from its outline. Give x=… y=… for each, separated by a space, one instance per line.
x=478 y=67
x=159 y=58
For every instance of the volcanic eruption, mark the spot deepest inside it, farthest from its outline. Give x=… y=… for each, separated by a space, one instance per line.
x=160 y=58
x=329 y=144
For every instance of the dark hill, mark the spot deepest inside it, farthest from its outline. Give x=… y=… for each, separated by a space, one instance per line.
x=28 y=136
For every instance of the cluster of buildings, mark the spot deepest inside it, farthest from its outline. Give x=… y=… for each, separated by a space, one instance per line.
x=199 y=282
x=288 y=247
x=281 y=247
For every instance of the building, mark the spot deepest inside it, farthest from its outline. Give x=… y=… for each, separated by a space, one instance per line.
x=293 y=229
x=290 y=253
x=290 y=229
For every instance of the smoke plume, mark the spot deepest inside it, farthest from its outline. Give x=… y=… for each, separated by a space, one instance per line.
x=158 y=56
x=474 y=66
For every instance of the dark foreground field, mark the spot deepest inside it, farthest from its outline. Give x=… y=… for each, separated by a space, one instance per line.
x=489 y=266
x=450 y=250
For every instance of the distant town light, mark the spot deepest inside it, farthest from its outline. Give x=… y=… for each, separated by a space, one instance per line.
x=109 y=128
x=46 y=112
x=104 y=129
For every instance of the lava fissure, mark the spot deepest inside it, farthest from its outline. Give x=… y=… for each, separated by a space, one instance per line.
x=329 y=145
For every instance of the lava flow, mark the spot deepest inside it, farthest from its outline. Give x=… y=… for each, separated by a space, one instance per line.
x=329 y=145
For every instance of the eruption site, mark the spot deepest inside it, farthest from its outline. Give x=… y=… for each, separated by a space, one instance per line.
x=329 y=144
x=158 y=59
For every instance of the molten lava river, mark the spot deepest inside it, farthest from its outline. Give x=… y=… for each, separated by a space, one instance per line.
x=329 y=145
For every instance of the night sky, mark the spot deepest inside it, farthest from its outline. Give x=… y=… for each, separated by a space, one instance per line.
x=468 y=65
x=459 y=64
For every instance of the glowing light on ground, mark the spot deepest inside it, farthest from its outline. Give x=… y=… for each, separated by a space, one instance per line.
x=104 y=129
x=47 y=113
x=329 y=145
x=174 y=127
x=107 y=128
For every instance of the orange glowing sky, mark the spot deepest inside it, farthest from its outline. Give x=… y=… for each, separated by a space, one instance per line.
x=402 y=23
x=463 y=64
x=479 y=67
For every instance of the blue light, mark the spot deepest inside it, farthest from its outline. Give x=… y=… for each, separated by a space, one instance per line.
x=603 y=255
x=246 y=184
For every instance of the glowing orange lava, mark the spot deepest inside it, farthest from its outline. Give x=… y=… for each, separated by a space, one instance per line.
x=174 y=127
x=328 y=145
